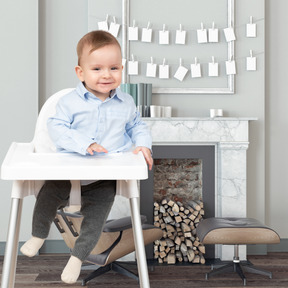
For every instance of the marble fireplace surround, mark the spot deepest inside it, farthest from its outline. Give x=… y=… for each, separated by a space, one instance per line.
x=231 y=139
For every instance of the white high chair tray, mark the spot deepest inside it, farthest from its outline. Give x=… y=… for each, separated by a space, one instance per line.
x=21 y=163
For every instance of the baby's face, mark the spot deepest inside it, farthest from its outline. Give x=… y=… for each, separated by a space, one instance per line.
x=101 y=70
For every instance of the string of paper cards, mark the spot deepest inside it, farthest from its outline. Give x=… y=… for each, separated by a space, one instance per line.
x=204 y=35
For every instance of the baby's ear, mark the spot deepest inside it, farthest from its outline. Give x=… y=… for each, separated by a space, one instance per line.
x=79 y=73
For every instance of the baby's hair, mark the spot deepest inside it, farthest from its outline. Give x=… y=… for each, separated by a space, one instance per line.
x=96 y=40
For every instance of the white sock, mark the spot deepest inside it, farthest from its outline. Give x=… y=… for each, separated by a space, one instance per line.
x=32 y=246
x=72 y=270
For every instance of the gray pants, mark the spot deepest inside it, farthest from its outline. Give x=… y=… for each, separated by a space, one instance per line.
x=97 y=199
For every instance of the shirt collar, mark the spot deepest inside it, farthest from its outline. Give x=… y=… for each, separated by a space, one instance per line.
x=84 y=93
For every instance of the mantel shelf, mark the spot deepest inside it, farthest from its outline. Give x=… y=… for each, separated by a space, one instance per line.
x=200 y=119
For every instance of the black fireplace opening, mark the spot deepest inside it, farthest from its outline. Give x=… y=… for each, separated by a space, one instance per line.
x=207 y=155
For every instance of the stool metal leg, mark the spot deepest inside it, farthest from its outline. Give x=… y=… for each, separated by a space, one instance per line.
x=238 y=267
x=256 y=270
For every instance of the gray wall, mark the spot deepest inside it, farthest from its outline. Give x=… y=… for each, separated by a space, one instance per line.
x=19 y=90
x=59 y=32
x=276 y=102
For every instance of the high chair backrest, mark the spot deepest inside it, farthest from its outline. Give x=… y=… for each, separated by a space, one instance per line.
x=42 y=142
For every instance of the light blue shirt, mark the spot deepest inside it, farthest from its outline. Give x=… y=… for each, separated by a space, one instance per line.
x=82 y=119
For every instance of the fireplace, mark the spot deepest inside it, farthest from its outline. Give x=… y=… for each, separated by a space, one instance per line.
x=230 y=139
x=205 y=153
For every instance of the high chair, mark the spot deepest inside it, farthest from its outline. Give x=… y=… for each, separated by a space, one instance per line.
x=30 y=164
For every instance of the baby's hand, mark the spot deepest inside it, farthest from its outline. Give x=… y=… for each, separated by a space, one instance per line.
x=147 y=155
x=94 y=147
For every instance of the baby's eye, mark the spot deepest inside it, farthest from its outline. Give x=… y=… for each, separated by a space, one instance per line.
x=114 y=68
x=96 y=69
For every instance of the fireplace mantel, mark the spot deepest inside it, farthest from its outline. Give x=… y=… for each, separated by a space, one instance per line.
x=231 y=139
x=208 y=130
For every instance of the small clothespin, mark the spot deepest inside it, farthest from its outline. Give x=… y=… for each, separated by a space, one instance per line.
x=213 y=25
x=148 y=26
x=164 y=62
x=251 y=53
x=202 y=26
x=132 y=57
x=134 y=23
x=151 y=60
x=180 y=62
x=195 y=61
x=164 y=27
x=213 y=59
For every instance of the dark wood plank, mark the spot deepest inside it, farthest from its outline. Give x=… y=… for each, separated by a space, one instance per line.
x=45 y=271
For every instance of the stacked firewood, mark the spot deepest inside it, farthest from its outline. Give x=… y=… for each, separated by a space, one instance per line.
x=178 y=222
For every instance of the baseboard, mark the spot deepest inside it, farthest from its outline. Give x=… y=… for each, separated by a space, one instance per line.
x=264 y=249
x=49 y=247
x=59 y=246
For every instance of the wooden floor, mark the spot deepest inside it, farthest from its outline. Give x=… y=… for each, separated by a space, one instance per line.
x=45 y=271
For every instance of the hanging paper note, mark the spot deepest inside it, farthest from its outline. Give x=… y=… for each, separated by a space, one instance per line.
x=180 y=36
x=147 y=34
x=196 y=69
x=133 y=67
x=230 y=67
x=251 y=28
x=151 y=69
x=229 y=34
x=133 y=32
x=103 y=25
x=213 y=34
x=164 y=36
x=251 y=63
x=114 y=28
x=164 y=71
x=213 y=68
x=202 y=35
x=181 y=72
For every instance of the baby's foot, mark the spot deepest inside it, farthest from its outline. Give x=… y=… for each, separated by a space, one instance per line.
x=32 y=246
x=72 y=270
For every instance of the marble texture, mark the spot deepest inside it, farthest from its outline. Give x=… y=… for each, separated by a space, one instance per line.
x=231 y=139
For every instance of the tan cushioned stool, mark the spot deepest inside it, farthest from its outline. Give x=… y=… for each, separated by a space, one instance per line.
x=236 y=231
